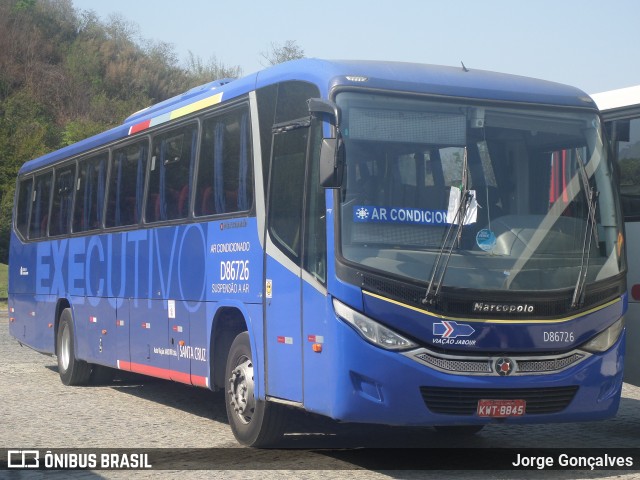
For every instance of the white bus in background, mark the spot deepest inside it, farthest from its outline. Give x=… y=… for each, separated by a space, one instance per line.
x=621 y=113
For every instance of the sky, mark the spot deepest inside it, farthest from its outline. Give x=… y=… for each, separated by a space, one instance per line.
x=592 y=45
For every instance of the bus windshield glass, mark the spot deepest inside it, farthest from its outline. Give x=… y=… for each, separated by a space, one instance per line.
x=502 y=197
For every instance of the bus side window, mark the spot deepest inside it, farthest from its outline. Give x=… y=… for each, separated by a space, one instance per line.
x=126 y=184
x=60 y=222
x=170 y=173
x=315 y=251
x=89 y=193
x=40 y=206
x=286 y=190
x=25 y=194
x=224 y=183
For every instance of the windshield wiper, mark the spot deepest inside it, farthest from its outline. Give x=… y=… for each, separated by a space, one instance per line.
x=449 y=241
x=590 y=231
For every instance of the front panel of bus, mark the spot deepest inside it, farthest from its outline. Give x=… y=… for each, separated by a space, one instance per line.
x=479 y=265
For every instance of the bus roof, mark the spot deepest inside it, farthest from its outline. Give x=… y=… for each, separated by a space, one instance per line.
x=435 y=80
x=620 y=98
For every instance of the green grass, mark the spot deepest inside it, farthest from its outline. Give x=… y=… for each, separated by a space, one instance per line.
x=4 y=280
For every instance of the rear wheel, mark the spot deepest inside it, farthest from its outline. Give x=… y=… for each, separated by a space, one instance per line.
x=71 y=370
x=253 y=422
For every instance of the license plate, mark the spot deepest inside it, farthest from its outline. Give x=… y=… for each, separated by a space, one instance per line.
x=501 y=408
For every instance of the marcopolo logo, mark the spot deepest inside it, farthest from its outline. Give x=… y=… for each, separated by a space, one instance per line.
x=502 y=308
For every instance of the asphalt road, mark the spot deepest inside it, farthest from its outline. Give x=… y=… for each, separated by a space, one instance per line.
x=137 y=413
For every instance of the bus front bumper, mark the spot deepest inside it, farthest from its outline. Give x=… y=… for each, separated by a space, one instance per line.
x=385 y=387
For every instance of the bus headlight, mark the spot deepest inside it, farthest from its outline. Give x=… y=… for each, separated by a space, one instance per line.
x=603 y=341
x=371 y=330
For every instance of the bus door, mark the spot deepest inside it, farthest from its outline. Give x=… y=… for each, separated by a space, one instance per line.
x=283 y=284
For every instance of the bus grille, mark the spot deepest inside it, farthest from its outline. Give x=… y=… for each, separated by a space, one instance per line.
x=549 y=365
x=464 y=401
x=484 y=365
x=457 y=365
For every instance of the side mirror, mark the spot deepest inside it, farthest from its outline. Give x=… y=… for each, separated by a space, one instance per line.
x=332 y=149
x=318 y=106
x=331 y=162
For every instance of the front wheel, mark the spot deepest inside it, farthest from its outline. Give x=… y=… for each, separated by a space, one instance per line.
x=72 y=371
x=254 y=422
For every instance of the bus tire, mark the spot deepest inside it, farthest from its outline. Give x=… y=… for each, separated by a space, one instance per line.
x=253 y=422
x=72 y=371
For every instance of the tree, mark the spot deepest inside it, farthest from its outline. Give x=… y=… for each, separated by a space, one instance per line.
x=199 y=72
x=282 y=53
x=66 y=75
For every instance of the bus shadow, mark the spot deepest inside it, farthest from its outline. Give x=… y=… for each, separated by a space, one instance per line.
x=196 y=401
x=309 y=431
x=315 y=442
x=305 y=430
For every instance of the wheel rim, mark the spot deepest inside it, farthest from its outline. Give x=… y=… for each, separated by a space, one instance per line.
x=65 y=348
x=240 y=391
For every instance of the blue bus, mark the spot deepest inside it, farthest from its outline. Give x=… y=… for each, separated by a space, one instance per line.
x=374 y=242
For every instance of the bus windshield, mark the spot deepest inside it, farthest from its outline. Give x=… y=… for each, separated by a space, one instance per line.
x=498 y=197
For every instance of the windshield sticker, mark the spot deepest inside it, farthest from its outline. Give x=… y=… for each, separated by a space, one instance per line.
x=486 y=239
x=420 y=216
x=471 y=216
x=414 y=216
